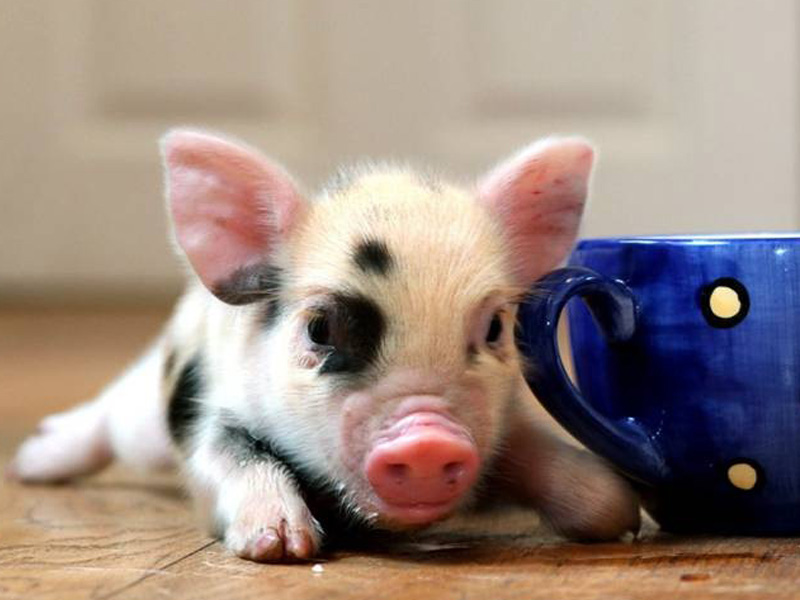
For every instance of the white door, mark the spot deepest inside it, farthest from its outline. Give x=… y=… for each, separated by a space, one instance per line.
x=692 y=103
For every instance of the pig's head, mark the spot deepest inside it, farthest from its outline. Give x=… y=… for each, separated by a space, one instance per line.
x=383 y=363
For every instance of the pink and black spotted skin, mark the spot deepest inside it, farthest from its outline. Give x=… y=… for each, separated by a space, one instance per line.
x=347 y=361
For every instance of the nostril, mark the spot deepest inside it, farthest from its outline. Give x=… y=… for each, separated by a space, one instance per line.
x=453 y=471
x=397 y=472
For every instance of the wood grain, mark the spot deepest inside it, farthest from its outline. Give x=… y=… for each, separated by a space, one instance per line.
x=128 y=536
x=503 y=567
x=90 y=538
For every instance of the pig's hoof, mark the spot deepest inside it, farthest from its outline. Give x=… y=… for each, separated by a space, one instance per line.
x=64 y=446
x=274 y=540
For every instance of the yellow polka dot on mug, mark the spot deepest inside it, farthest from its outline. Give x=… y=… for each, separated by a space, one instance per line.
x=745 y=475
x=725 y=302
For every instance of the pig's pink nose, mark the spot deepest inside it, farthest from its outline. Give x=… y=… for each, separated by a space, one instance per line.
x=426 y=466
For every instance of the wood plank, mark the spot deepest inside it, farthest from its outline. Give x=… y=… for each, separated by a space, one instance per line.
x=93 y=537
x=502 y=567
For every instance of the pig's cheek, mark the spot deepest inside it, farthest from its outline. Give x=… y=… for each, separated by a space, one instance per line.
x=476 y=413
x=356 y=416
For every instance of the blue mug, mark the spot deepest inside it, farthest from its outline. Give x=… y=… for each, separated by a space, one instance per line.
x=687 y=359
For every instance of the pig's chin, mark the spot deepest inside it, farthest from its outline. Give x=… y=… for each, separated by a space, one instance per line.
x=392 y=516
x=412 y=516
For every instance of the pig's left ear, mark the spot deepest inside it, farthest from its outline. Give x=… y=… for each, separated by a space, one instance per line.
x=232 y=210
x=538 y=196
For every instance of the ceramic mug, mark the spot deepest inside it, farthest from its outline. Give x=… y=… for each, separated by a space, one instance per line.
x=687 y=358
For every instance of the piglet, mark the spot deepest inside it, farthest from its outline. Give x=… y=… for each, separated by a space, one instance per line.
x=347 y=363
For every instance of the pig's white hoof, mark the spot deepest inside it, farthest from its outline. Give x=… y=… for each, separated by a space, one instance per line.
x=64 y=446
x=274 y=537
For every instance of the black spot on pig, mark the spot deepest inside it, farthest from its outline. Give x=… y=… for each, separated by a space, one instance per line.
x=355 y=326
x=372 y=256
x=255 y=283
x=184 y=408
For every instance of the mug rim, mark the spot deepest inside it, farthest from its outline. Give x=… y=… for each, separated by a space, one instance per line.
x=692 y=239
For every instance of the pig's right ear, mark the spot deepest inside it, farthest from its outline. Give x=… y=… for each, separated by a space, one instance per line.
x=538 y=196
x=231 y=210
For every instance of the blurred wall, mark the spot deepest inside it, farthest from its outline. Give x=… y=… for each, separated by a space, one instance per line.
x=692 y=103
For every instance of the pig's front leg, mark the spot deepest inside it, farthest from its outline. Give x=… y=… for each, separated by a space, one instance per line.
x=252 y=503
x=578 y=493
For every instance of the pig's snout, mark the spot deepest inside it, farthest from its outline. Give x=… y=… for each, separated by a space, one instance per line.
x=422 y=468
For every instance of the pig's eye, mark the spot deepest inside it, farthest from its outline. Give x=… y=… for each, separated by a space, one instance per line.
x=343 y=336
x=495 y=329
x=319 y=330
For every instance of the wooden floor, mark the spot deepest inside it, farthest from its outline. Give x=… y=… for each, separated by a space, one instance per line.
x=122 y=535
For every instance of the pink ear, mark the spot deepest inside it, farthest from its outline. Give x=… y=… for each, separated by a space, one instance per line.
x=231 y=207
x=539 y=196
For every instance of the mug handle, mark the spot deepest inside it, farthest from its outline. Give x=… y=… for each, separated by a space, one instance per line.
x=623 y=442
